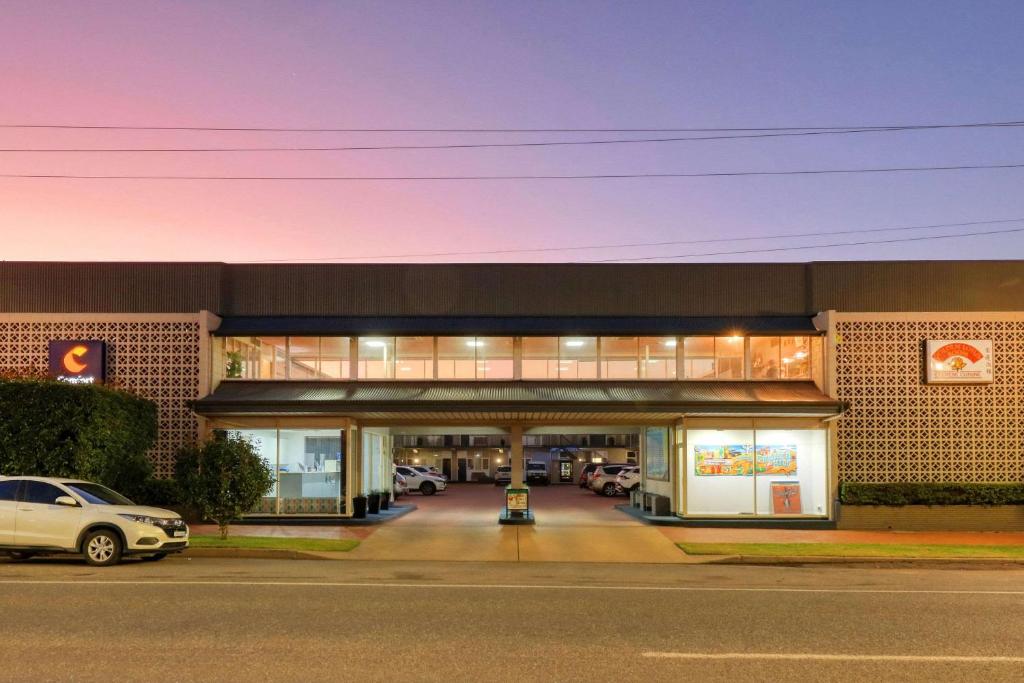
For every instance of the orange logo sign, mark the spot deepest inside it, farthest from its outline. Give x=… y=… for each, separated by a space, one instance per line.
x=70 y=359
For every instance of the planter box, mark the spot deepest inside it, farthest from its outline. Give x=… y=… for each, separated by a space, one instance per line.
x=932 y=517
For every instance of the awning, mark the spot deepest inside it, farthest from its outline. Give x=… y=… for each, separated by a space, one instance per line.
x=516 y=400
x=509 y=326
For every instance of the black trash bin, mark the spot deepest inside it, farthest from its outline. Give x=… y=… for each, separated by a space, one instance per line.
x=359 y=507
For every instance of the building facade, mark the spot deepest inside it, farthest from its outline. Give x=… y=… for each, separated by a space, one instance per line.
x=744 y=391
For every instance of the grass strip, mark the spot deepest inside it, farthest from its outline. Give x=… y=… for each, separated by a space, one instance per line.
x=855 y=550
x=274 y=543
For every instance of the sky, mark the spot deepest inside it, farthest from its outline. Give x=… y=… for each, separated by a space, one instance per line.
x=652 y=64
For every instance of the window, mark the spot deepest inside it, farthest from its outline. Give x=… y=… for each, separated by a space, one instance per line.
x=540 y=357
x=40 y=492
x=474 y=357
x=414 y=358
x=9 y=489
x=699 y=357
x=657 y=357
x=729 y=357
x=796 y=358
x=376 y=358
x=286 y=358
x=620 y=358
x=764 y=358
x=97 y=494
x=577 y=358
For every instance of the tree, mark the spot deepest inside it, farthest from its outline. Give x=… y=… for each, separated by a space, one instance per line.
x=54 y=429
x=223 y=478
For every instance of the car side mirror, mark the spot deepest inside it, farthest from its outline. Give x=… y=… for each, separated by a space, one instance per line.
x=66 y=500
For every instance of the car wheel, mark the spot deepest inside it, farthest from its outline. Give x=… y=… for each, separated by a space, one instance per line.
x=102 y=548
x=608 y=490
x=21 y=555
x=427 y=488
x=154 y=558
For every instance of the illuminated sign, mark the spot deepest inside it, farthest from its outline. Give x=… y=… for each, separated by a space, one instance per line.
x=78 y=361
x=952 y=361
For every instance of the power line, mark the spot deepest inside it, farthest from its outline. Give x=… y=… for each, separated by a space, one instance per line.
x=481 y=145
x=494 y=252
x=281 y=129
x=594 y=176
x=811 y=246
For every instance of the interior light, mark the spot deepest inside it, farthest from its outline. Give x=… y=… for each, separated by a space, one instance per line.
x=474 y=342
x=406 y=368
x=497 y=460
x=477 y=455
x=800 y=354
x=416 y=461
x=575 y=343
x=670 y=343
x=787 y=360
x=376 y=343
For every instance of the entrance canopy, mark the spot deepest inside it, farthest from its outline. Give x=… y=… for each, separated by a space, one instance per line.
x=628 y=401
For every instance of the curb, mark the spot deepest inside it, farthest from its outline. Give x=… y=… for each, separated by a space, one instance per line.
x=790 y=560
x=261 y=554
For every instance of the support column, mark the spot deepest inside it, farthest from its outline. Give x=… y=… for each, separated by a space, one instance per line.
x=516 y=459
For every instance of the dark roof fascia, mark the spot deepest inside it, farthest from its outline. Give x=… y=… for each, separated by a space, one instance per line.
x=515 y=325
x=220 y=404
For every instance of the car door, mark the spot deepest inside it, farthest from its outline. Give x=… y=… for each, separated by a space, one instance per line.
x=8 y=507
x=41 y=522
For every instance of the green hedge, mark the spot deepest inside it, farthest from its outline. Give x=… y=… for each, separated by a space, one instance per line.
x=50 y=428
x=931 y=494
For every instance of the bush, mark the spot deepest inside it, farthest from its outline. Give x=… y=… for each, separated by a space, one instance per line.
x=931 y=494
x=55 y=429
x=223 y=478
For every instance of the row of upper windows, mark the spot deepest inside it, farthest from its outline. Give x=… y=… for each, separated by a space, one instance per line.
x=535 y=358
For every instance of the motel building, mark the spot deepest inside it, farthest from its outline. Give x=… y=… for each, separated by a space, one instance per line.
x=744 y=392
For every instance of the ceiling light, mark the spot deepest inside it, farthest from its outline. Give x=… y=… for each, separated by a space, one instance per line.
x=475 y=342
x=406 y=368
x=575 y=343
x=787 y=360
x=670 y=343
x=800 y=354
x=376 y=343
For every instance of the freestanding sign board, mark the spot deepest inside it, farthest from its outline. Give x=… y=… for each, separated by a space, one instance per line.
x=957 y=361
x=78 y=361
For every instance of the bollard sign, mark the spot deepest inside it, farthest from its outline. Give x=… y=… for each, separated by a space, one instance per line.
x=78 y=361
x=954 y=361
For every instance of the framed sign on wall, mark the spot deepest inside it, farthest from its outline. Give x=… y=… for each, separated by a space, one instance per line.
x=958 y=361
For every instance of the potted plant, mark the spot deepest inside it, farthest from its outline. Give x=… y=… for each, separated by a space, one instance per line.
x=373 y=503
x=385 y=499
x=359 y=507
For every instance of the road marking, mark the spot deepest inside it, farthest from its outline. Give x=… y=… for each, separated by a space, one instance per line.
x=493 y=586
x=814 y=656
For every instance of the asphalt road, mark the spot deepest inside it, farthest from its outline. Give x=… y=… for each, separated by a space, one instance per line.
x=262 y=620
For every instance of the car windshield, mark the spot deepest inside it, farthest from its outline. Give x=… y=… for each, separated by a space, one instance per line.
x=96 y=494
x=421 y=469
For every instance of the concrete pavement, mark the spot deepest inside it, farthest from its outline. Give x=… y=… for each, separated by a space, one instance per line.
x=231 y=620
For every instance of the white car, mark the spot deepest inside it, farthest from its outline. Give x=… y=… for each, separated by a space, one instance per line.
x=433 y=471
x=44 y=515
x=628 y=478
x=401 y=487
x=427 y=484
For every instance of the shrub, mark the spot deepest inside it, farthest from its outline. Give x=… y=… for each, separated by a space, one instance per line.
x=851 y=493
x=55 y=429
x=223 y=478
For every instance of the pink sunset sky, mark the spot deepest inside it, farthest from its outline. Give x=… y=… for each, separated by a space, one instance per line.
x=502 y=65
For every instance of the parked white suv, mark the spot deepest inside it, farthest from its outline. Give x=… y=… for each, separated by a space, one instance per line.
x=425 y=483
x=628 y=478
x=41 y=515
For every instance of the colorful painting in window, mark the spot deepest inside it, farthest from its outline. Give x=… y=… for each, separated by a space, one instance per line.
x=737 y=460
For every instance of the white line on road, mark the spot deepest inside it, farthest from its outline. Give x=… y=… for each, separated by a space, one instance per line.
x=796 y=656
x=493 y=586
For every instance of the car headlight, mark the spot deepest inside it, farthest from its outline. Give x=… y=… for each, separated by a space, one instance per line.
x=141 y=519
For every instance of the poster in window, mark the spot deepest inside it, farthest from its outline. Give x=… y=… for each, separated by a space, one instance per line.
x=786 y=498
x=737 y=460
x=656 y=453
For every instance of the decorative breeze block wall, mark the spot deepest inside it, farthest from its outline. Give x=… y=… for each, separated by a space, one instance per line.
x=158 y=360
x=900 y=429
